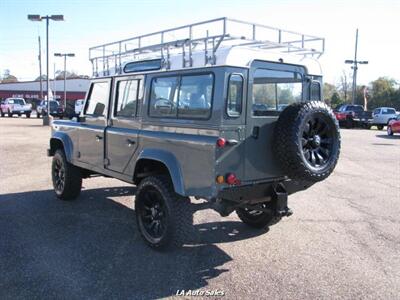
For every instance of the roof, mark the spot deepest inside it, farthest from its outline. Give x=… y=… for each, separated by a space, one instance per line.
x=73 y=85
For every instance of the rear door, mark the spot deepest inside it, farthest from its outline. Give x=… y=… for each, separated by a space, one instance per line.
x=272 y=87
x=122 y=133
x=91 y=132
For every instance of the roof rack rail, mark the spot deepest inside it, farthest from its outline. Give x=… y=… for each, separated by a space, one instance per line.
x=206 y=36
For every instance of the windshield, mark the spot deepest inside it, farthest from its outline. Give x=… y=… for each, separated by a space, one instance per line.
x=16 y=101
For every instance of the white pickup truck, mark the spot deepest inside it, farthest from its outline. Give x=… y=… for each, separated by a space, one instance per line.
x=15 y=106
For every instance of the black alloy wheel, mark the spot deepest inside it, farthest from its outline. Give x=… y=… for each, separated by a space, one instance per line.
x=316 y=141
x=153 y=215
x=59 y=175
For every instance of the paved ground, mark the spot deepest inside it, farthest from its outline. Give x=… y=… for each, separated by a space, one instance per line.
x=343 y=240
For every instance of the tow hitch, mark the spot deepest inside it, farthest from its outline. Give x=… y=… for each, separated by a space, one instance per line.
x=279 y=201
x=278 y=205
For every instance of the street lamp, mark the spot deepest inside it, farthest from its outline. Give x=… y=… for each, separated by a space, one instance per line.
x=355 y=64
x=65 y=74
x=39 y=18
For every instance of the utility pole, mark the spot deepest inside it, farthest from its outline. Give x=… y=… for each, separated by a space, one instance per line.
x=40 y=68
x=65 y=55
x=355 y=63
x=46 y=118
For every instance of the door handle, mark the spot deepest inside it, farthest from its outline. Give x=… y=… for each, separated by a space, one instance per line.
x=98 y=138
x=255 y=132
x=130 y=142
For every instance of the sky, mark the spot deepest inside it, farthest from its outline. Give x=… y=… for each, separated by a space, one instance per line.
x=89 y=23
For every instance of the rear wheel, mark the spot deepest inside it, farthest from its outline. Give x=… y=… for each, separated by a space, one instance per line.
x=67 y=179
x=164 y=218
x=380 y=127
x=389 y=130
x=257 y=218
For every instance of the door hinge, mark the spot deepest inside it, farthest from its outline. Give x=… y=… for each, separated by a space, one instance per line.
x=106 y=162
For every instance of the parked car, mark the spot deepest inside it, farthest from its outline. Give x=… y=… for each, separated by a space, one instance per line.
x=79 y=106
x=204 y=128
x=351 y=115
x=382 y=115
x=15 y=106
x=56 y=110
x=394 y=126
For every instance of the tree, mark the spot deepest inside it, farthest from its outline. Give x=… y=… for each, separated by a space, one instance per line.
x=44 y=77
x=344 y=86
x=9 y=79
x=384 y=92
x=70 y=75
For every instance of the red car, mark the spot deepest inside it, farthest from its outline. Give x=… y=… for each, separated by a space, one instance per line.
x=394 y=126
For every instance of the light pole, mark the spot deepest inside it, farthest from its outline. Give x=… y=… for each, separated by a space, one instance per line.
x=355 y=63
x=46 y=120
x=65 y=74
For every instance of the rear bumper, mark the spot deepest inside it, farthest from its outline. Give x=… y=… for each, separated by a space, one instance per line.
x=261 y=192
x=21 y=111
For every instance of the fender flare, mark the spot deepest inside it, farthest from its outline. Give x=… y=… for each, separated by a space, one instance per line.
x=65 y=141
x=170 y=161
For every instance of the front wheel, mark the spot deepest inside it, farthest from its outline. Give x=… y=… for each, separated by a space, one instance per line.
x=1 y=113
x=256 y=218
x=389 y=130
x=9 y=114
x=67 y=179
x=28 y=115
x=164 y=218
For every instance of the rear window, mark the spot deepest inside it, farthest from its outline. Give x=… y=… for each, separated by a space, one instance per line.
x=274 y=90
x=16 y=101
x=182 y=97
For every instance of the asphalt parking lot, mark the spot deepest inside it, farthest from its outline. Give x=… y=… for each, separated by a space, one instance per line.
x=343 y=240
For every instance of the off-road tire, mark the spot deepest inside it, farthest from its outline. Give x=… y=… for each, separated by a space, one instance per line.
x=178 y=213
x=72 y=177
x=380 y=127
x=259 y=221
x=288 y=136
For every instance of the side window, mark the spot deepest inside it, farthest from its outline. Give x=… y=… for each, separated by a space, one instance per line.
x=163 y=97
x=126 y=98
x=96 y=104
x=274 y=90
x=315 y=90
x=377 y=111
x=195 y=95
x=181 y=97
x=235 y=95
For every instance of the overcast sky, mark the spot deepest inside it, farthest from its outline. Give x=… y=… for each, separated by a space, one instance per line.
x=89 y=23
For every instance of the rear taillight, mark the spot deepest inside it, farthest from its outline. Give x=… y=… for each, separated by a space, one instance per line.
x=232 y=179
x=221 y=142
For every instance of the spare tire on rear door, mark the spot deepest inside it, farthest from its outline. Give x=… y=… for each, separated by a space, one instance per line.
x=307 y=141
